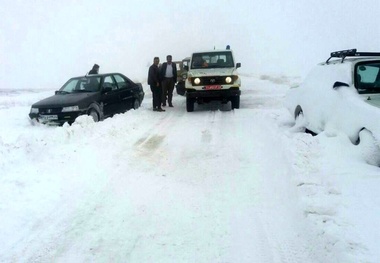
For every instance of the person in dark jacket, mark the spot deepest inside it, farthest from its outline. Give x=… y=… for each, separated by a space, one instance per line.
x=94 y=70
x=168 y=75
x=155 y=84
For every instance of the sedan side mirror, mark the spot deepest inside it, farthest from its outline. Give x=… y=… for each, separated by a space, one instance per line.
x=340 y=84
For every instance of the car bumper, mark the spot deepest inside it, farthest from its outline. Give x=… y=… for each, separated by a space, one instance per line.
x=55 y=119
x=213 y=93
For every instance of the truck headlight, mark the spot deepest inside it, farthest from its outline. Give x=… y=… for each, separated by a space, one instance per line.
x=228 y=80
x=71 y=108
x=33 y=110
x=197 y=81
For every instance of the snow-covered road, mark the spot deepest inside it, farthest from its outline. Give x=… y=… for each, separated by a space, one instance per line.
x=213 y=185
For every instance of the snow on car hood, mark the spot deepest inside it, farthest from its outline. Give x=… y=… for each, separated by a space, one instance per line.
x=212 y=72
x=372 y=99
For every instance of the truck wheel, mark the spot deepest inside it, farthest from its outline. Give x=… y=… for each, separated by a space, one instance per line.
x=180 y=87
x=235 y=102
x=190 y=104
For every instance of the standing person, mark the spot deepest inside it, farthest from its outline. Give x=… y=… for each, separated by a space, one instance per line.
x=168 y=75
x=155 y=85
x=94 y=70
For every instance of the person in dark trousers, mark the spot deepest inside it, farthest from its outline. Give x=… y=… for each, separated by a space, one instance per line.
x=94 y=70
x=155 y=84
x=168 y=75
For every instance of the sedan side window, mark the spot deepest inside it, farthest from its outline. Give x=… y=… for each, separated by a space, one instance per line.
x=121 y=82
x=108 y=81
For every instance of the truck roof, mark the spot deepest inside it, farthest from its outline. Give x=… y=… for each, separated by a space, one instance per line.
x=213 y=50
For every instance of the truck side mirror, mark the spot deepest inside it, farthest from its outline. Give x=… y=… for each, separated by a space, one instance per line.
x=238 y=65
x=186 y=67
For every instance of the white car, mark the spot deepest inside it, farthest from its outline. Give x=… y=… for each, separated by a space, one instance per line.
x=340 y=95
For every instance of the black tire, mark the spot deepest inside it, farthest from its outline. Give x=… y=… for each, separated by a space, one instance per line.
x=190 y=104
x=136 y=104
x=235 y=102
x=95 y=116
x=180 y=87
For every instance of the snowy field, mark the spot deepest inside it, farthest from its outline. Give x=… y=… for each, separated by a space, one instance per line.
x=213 y=185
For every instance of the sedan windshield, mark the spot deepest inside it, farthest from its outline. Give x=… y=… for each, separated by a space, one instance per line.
x=221 y=59
x=85 y=84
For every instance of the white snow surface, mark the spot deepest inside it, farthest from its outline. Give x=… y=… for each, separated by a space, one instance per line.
x=213 y=185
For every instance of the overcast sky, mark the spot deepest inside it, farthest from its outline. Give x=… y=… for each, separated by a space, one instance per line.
x=46 y=42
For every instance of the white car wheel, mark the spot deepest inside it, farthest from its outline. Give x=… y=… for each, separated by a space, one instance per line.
x=369 y=147
x=300 y=122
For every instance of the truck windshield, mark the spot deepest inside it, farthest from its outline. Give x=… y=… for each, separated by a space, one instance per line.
x=221 y=59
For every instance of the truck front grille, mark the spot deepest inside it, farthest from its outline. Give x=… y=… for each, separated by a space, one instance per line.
x=214 y=80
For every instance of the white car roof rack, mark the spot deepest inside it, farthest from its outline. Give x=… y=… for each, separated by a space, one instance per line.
x=350 y=53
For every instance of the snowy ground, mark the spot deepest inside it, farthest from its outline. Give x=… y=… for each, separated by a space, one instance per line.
x=213 y=185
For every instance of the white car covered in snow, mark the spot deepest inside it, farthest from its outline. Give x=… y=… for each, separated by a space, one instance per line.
x=340 y=95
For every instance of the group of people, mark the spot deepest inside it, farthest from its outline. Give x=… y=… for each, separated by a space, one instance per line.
x=161 y=81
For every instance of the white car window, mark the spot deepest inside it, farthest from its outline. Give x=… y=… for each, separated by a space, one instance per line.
x=368 y=73
x=368 y=78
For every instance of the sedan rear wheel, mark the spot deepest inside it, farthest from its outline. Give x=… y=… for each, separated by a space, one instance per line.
x=136 y=104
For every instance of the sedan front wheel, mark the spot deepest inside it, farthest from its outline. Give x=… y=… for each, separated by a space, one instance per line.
x=94 y=115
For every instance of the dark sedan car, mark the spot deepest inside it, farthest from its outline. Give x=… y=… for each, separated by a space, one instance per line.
x=99 y=96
